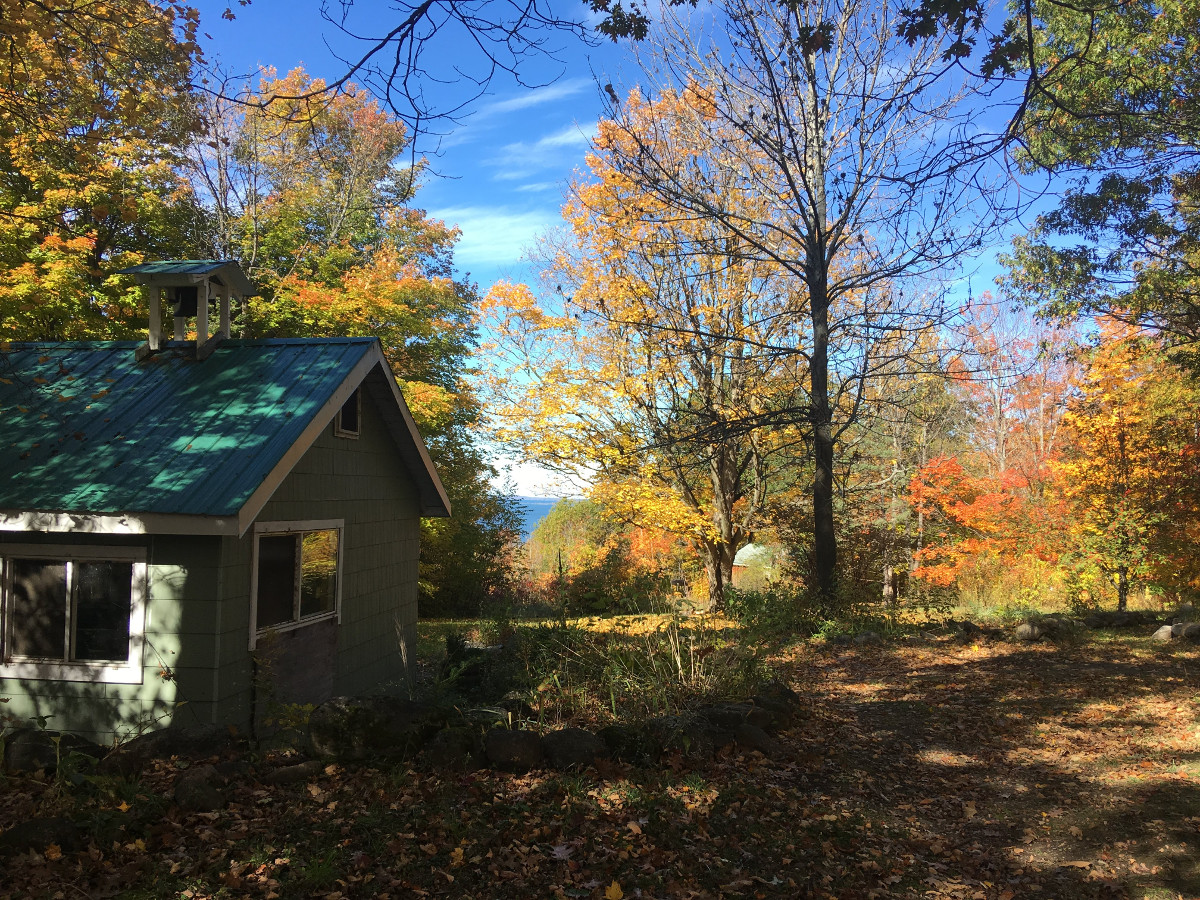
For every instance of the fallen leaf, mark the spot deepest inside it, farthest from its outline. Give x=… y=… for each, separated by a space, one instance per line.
x=614 y=892
x=1076 y=831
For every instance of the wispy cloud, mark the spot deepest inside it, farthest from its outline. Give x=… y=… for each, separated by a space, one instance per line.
x=494 y=235
x=559 y=150
x=537 y=97
x=537 y=187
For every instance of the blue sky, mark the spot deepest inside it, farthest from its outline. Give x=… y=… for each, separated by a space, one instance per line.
x=500 y=171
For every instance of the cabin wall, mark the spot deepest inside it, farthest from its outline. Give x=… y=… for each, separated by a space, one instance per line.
x=363 y=482
x=177 y=652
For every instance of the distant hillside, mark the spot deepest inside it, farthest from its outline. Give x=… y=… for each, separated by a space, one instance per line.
x=534 y=509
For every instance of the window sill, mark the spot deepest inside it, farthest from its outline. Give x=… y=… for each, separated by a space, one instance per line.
x=293 y=626
x=93 y=673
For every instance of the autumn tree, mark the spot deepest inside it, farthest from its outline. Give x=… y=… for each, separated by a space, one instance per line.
x=664 y=333
x=987 y=501
x=868 y=185
x=1130 y=473
x=95 y=108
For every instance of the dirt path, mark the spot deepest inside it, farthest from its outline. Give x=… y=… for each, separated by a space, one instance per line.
x=1024 y=770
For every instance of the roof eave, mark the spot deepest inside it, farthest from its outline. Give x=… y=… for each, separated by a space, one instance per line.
x=62 y=521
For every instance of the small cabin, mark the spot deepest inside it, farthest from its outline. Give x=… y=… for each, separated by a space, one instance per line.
x=194 y=528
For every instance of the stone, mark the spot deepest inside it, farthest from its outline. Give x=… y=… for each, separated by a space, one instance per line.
x=726 y=716
x=573 y=748
x=969 y=629
x=294 y=773
x=779 y=692
x=33 y=749
x=752 y=737
x=840 y=640
x=767 y=719
x=1164 y=633
x=1029 y=631
x=38 y=834
x=514 y=751
x=1191 y=632
x=200 y=789
x=868 y=639
x=130 y=758
x=630 y=744
x=454 y=750
x=366 y=728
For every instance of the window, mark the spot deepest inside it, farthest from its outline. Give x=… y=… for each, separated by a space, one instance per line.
x=345 y=423
x=295 y=576
x=72 y=614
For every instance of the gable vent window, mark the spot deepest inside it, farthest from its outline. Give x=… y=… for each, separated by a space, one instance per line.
x=345 y=423
x=72 y=614
x=297 y=567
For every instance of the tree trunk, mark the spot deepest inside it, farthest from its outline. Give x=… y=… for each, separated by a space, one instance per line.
x=1122 y=588
x=816 y=276
x=718 y=565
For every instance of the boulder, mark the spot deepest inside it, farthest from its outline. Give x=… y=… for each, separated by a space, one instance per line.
x=1164 y=633
x=200 y=789
x=752 y=737
x=454 y=750
x=348 y=728
x=1029 y=631
x=38 y=834
x=1191 y=632
x=767 y=719
x=573 y=748
x=726 y=716
x=33 y=749
x=630 y=744
x=514 y=751
x=130 y=758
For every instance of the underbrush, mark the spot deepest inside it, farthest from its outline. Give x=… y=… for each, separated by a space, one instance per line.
x=553 y=674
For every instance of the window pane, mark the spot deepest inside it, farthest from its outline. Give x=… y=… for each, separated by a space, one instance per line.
x=39 y=609
x=103 y=596
x=318 y=560
x=276 y=579
x=348 y=421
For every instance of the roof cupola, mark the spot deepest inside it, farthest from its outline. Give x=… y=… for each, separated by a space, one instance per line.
x=190 y=287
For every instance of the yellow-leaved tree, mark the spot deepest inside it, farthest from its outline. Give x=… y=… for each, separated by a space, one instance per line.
x=1129 y=466
x=642 y=372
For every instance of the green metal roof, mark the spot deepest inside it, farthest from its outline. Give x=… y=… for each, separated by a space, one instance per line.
x=85 y=428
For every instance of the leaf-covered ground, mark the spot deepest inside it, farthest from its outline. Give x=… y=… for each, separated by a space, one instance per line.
x=928 y=768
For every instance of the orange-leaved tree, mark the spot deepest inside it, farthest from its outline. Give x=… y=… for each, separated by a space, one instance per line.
x=989 y=522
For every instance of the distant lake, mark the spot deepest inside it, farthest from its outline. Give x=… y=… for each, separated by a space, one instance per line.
x=533 y=510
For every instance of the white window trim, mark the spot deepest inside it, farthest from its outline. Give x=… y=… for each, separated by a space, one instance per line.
x=129 y=672
x=338 y=430
x=269 y=528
